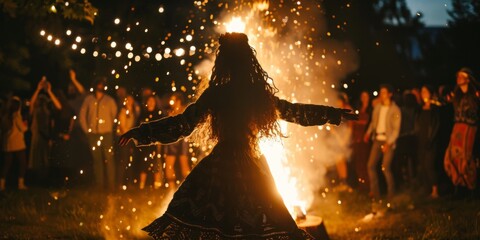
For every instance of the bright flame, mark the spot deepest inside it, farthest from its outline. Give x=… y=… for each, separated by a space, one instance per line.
x=275 y=154
x=236 y=25
x=273 y=149
x=261 y=6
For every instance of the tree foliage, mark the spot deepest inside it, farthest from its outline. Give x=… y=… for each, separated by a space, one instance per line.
x=382 y=31
x=71 y=9
x=392 y=43
x=464 y=35
x=21 y=18
x=464 y=12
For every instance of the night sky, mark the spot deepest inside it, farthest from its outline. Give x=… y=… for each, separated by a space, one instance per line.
x=434 y=11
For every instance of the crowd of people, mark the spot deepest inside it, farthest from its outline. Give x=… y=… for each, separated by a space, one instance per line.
x=417 y=139
x=65 y=136
x=410 y=138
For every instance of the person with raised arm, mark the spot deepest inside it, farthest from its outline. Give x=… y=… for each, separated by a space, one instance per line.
x=459 y=161
x=42 y=121
x=97 y=118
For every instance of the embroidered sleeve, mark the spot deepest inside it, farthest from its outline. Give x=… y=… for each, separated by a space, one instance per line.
x=308 y=114
x=170 y=129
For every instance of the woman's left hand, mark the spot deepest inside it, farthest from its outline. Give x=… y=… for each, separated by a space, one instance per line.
x=132 y=134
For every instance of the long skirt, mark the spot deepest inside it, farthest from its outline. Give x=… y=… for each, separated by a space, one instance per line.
x=459 y=163
x=227 y=196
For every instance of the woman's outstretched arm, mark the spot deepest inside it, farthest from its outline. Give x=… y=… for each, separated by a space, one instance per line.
x=311 y=115
x=166 y=130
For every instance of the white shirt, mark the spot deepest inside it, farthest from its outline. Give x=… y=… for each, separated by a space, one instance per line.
x=382 y=123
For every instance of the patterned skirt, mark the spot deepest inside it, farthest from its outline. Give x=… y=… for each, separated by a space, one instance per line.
x=227 y=196
x=459 y=163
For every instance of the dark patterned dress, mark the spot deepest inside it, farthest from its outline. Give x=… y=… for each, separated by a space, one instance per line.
x=230 y=194
x=459 y=162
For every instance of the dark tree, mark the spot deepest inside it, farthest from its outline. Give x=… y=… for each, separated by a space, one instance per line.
x=464 y=35
x=384 y=32
x=20 y=21
x=447 y=49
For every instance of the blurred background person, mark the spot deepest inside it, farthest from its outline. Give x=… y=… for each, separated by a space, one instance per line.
x=459 y=161
x=127 y=119
x=145 y=93
x=121 y=95
x=64 y=151
x=405 y=159
x=150 y=156
x=75 y=92
x=177 y=150
x=97 y=116
x=342 y=136
x=360 y=148
x=13 y=139
x=383 y=130
x=78 y=150
x=41 y=114
x=427 y=123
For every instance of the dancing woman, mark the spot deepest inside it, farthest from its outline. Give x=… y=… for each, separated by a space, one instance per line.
x=231 y=193
x=459 y=162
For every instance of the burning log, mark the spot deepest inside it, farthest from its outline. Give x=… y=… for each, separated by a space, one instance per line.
x=314 y=226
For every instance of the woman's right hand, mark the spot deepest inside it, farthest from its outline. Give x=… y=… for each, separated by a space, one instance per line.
x=132 y=134
x=73 y=74
x=41 y=84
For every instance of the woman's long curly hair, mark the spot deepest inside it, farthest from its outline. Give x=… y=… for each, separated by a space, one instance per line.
x=241 y=94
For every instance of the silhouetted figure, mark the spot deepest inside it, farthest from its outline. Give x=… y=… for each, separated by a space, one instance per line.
x=231 y=193
x=405 y=159
x=427 y=123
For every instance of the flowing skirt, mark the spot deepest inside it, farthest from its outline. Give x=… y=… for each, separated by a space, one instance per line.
x=227 y=196
x=458 y=162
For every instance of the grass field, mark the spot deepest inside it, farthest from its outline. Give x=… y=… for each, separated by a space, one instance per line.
x=85 y=214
